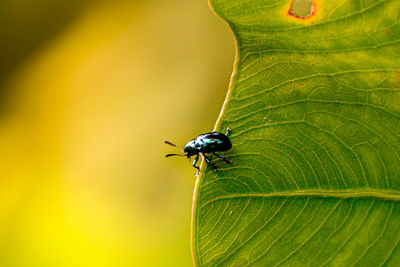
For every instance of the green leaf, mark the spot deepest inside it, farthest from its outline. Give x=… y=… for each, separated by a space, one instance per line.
x=314 y=107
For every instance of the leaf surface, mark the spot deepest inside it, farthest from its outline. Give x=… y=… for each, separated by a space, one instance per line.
x=314 y=107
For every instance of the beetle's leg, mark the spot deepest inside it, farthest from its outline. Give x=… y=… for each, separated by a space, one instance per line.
x=209 y=162
x=228 y=131
x=194 y=164
x=223 y=158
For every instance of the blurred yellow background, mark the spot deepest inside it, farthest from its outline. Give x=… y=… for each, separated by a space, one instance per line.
x=89 y=90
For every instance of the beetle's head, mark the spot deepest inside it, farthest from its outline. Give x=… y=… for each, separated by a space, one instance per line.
x=190 y=149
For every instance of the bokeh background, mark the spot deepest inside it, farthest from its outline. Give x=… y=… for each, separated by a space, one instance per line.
x=89 y=90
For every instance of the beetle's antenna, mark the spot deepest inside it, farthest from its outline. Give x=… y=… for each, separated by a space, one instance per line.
x=171 y=144
x=169 y=155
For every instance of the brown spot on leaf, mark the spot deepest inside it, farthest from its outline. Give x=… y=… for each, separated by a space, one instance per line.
x=302 y=9
x=395 y=80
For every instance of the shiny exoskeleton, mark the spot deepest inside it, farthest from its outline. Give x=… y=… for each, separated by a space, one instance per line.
x=206 y=143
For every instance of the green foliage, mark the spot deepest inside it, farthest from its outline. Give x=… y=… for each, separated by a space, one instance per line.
x=314 y=107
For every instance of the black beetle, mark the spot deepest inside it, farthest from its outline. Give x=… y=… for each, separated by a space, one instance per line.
x=206 y=143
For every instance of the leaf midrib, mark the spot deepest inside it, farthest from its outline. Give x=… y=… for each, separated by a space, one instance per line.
x=388 y=195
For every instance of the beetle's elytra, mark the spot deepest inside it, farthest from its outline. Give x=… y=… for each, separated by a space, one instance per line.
x=206 y=143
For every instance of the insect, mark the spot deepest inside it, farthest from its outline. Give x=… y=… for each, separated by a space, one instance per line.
x=205 y=143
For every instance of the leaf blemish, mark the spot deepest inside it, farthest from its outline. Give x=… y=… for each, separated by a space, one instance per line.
x=395 y=80
x=302 y=9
